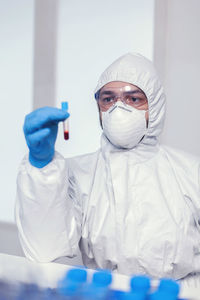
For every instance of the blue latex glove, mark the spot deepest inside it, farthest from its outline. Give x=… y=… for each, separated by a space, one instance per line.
x=40 y=130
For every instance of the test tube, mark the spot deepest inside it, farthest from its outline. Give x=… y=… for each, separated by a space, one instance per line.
x=66 y=122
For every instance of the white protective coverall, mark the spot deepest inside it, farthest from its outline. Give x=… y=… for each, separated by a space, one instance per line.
x=133 y=211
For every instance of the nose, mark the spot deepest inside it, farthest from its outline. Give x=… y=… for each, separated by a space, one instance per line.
x=119 y=98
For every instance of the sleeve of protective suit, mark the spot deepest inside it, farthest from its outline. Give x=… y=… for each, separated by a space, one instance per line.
x=48 y=211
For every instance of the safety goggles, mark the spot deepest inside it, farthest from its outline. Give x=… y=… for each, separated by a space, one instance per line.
x=132 y=96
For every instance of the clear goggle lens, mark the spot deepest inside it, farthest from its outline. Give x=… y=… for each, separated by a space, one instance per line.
x=129 y=96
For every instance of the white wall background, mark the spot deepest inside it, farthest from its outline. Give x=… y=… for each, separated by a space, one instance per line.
x=91 y=35
x=177 y=57
x=16 y=72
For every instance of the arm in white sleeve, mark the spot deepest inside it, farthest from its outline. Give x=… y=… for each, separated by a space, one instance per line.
x=48 y=215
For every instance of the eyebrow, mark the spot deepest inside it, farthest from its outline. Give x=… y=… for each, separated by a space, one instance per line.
x=126 y=92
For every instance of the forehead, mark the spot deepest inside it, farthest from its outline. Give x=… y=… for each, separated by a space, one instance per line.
x=120 y=85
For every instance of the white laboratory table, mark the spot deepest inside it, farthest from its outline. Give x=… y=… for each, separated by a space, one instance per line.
x=15 y=268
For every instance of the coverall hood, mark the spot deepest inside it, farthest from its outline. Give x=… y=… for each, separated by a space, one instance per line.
x=135 y=69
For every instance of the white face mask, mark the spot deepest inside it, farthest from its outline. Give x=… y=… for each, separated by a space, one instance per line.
x=124 y=125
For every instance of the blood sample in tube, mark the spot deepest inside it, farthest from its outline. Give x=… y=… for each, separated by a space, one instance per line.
x=66 y=122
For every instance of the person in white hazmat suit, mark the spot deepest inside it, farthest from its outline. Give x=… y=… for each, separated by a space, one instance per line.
x=133 y=206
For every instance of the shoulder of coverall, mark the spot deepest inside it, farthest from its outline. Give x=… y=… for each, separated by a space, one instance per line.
x=187 y=164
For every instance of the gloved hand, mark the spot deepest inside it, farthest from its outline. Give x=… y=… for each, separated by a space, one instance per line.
x=40 y=130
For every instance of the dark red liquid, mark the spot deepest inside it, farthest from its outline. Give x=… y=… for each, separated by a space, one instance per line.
x=66 y=135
